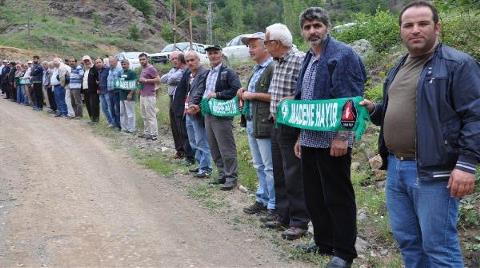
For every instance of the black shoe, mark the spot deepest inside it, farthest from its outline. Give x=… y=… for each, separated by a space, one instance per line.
x=270 y=216
x=194 y=170
x=313 y=248
x=229 y=185
x=337 y=262
x=294 y=233
x=275 y=224
x=153 y=138
x=217 y=181
x=203 y=174
x=257 y=207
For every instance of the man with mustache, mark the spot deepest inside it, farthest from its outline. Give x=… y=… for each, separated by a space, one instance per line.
x=429 y=139
x=330 y=70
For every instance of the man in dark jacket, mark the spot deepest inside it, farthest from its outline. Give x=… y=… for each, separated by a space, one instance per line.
x=90 y=89
x=256 y=100
x=36 y=77
x=4 y=79
x=429 y=139
x=221 y=83
x=330 y=70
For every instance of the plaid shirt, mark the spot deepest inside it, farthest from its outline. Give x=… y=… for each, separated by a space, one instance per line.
x=311 y=138
x=284 y=78
x=212 y=80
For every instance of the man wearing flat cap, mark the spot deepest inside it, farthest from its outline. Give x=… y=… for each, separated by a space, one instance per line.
x=222 y=83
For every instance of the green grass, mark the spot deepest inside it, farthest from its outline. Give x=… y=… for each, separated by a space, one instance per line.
x=208 y=196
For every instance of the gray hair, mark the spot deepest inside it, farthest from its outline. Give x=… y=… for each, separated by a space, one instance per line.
x=315 y=13
x=281 y=33
x=125 y=61
x=192 y=52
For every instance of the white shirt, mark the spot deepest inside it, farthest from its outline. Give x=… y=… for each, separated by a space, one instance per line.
x=85 y=78
x=53 y=79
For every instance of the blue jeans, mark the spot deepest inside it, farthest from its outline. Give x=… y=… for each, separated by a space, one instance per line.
x=105 y=104
x=59 y=93
x=20 y=94
x=197 y=137
x=114 y=97
x=261 y=150
x=423 y=217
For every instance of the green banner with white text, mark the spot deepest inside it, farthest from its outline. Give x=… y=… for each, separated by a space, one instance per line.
x=126 y=84
x=345 y=114
x=222 y=108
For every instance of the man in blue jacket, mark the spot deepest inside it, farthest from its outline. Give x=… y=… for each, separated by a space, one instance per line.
x=36 y=76
x=330 y=70
x=429 y=139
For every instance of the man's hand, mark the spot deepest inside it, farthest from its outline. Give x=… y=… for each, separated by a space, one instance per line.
x=142 y=80
x=338 y=148
x=298 y=149
x=240 y=92
x=98 y=91
x=129 y=97
x=461 y=183
x=211 y=95
x=368 y=104
x=287 y=98
x=193 y=109
x=247 y=95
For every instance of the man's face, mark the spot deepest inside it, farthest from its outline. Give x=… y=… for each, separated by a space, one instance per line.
x=125 y=65
x=192 y=62
x=215 y=57
x=29 y=65
x=256 y=49
x=113 y=62
x=314 y=32
x=98 y=64
x=418 y=31
x=35 y=60
x=174 y=60
x=87 y=63
x=72 y=62
x=272 y=46
x=143 y=61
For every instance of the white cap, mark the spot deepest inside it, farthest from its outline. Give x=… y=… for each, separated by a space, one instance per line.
x=86 y=57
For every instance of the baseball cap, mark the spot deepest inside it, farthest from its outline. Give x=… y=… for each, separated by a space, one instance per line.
x=29 y=62
x=86 y=57
x=257 y=35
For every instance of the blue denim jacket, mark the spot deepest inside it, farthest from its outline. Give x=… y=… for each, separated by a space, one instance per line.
x=448 y=114
x=103 y=77
x=340 y=72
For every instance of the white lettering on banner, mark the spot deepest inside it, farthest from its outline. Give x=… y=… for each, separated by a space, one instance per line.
x=314 y=115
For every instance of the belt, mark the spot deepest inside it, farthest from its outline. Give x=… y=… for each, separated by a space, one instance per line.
x=405 y=158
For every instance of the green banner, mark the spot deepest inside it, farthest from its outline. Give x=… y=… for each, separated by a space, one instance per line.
x=24 y=81
x=345 y=114
x=221 y=108
x=125 y=84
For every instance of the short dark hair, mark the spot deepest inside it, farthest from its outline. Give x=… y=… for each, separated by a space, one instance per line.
x=143 y=54
x=420 y=3
x=181 y=58
x=314 y=13
x=36 y=57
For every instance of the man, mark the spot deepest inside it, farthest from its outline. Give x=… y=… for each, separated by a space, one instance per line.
x=171 y=79
x=50 y=94
x=127 y=99
x=90 y=89
x=259 y=125
x=2 y=64
x=28 y=87
x=3 y=78
x=114 y=72
x=429 y=139
x=331 y=70
x=76 y=77
x=222 y=83
x=194 y=133
x=103 y=92
x=148 y=100
x=45 y=82
x=11 y=81
x=36 y=79
x=68 y=92
x=57 y=80
x=291 y=211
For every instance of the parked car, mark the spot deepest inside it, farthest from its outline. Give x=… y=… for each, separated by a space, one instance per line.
x=132 y=57
x=235 y=50
x=164 y=55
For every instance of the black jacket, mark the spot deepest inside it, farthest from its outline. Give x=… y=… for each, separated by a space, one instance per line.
x=184 y=89
x=93 y=81
x=226 y=87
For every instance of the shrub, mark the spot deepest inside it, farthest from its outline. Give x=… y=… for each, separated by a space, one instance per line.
x=375 y=93
x=133 y=33
x=144 y=6
x=461 y=32
x=381 y=29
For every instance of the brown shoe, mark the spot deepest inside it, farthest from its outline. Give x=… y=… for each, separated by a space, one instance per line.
x=293 y=233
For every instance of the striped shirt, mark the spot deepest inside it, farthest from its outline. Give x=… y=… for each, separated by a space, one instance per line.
x=284 y=78
x=211 y=80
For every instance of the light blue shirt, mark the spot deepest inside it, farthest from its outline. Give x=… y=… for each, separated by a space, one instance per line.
x=212 y=80
x=113 y=73
x=257 y=73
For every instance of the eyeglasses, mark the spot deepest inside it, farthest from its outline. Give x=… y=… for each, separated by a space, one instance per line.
x=266 y=42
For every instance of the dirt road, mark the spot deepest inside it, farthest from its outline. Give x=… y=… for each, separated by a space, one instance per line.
x=67 y=199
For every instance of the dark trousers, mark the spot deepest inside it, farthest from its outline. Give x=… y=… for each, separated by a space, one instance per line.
x=92 y=102
x=183 y=136
x=114 y=98
x=287 y=174
x=38 y=95
x=177 y=139
x=51 y=98
x=331 y=201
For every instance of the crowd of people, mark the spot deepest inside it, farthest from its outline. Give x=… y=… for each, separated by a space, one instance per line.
x=429 y=118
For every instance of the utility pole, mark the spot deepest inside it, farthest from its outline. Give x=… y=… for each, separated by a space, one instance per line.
x=190 y=21
x=174 y=22
x=210 y=23
x=29 y=17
